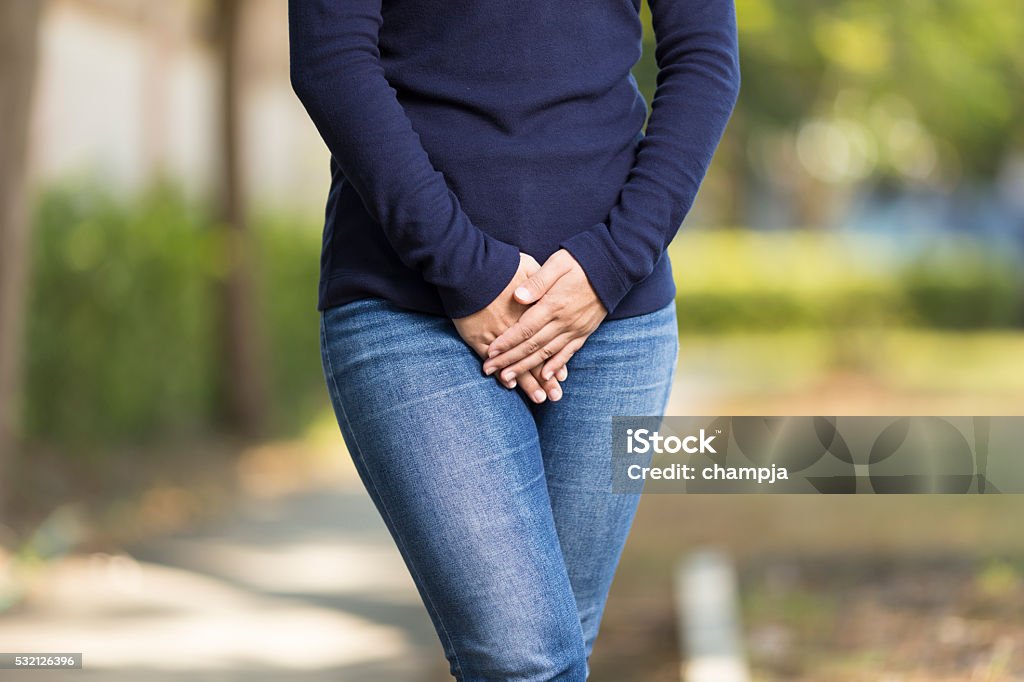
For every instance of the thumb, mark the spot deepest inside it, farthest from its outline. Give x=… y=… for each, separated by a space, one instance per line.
x=539 y=282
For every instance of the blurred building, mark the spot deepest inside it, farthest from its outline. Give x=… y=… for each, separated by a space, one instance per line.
x=127 y=92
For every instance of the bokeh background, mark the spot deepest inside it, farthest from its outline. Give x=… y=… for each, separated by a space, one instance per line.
x=177 y=501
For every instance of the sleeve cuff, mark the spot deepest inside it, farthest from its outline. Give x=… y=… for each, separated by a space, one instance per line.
x=499 y=265
x=592 y=250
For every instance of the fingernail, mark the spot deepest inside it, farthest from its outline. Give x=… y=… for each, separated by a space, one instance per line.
x=539 y=396
x=556 y=393
x=512 y=384
x=547 y=374
x=563 y=374
x=523 y=293
x=488 y=371
x=491 y=353
x=508 y=376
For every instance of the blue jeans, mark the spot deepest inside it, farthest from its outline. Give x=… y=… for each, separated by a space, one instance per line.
x=501 y=509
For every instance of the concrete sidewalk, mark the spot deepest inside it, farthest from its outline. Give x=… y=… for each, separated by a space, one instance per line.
x=302 y=587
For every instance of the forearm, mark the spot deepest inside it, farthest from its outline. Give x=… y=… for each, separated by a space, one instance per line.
x=698 y=83
x=337 y=73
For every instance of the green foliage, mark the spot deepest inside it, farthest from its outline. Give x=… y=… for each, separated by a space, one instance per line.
x=736 y=280
x=119 y=318
x=955 y=65
x=952 y=70
x=964 y=288
x=288 y=270
x=122 y=326
x=121 y=332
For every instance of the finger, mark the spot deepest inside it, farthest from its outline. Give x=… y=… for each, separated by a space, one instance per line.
x=562 y=374
x=556 y=365
x=550 y=386
x=539 y=283
x=536 y=343
x=532 y=388
x=529 y=323
x=546 y=352
x=528 y=263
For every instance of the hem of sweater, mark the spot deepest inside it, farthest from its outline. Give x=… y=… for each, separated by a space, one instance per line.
x=650 y=295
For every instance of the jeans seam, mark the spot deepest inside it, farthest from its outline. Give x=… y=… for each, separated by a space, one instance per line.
x=398 y=537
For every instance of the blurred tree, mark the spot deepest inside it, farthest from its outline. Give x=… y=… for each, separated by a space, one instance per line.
x=837 y=92
x=242 y=387
x=19 y=37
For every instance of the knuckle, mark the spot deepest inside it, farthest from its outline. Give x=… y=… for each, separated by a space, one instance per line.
x=532 y=346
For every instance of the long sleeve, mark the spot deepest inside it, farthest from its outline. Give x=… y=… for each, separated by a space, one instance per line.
x=337 y=73
x=697 y=86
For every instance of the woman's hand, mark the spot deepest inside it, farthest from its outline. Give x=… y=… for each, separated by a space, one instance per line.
x=482 y=327
x=566 y=313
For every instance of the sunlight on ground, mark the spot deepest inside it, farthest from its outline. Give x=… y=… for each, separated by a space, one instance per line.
x=324 y=568
x=318 y=457
x=125 y=613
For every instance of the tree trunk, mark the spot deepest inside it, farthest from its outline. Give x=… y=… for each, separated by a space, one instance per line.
x=19 y=37
x=243 y=397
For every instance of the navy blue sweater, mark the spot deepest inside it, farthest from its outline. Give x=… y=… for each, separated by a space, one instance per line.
x=462 y=132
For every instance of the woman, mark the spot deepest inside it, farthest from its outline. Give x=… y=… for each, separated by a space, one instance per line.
x=471 y=142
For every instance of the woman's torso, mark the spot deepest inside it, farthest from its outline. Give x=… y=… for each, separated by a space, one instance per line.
x=527 y=107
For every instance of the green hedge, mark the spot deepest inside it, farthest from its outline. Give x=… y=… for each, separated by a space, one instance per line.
x=119 y=320
x=121 y=329
x=734 y=280
x=121 y=343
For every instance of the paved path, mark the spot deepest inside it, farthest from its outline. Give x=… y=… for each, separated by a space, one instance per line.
x=306 y=587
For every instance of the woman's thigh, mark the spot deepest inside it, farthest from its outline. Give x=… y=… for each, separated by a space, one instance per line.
x=624 y=368
x=453 y=464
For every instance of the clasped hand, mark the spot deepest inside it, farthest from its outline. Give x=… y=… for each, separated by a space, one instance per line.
x=527 y=335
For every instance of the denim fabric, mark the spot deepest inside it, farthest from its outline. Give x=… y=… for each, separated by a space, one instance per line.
x=501 y=508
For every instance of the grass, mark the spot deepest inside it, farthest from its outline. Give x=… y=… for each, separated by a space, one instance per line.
x=862 y=371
